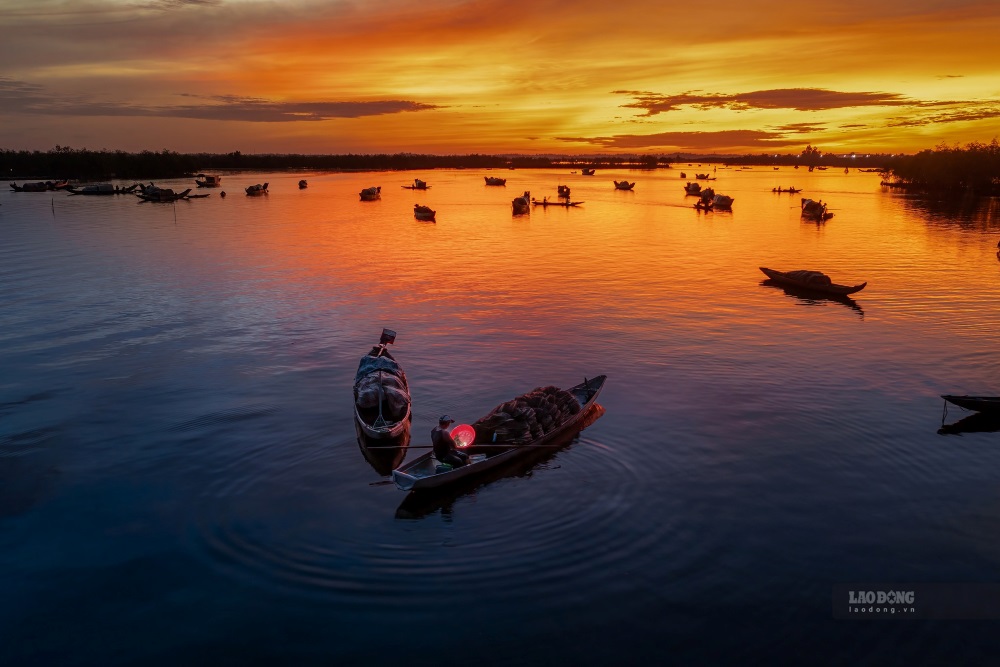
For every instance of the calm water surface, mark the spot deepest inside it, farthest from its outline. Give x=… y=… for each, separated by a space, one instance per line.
x=181 y=481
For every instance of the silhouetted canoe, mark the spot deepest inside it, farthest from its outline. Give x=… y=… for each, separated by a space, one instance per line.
x=546 y=202
x=162 y=195
x=421 y=473
x=975 y=403
x=417 y=185
x=623 y=185
x=810 y=280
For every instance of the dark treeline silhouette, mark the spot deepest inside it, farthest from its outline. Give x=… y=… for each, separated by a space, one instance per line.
x=64 y=162
x=974 y=169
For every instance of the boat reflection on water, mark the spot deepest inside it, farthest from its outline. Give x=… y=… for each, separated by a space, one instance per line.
x=384 y=454
x=978 y=422
x=809 y=297
x=424 y=503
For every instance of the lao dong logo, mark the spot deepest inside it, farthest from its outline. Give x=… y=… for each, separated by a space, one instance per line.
x=881 y=597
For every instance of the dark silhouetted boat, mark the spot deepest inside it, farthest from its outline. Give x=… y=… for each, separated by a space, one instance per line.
x=814 y=210
x=521 y=205
x=372 y=193
x=811 y=280
x=623 y=185
x=257 y=190
x=207 y=181
x=975 y=403
x=164 y=195
x=417 y=185
x=493 y=180
x=303 y=184
x=424 y=213
x=587 y=172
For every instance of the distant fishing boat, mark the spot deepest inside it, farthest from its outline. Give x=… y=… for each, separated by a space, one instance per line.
x=164 y=195
x=95 y=189
x=545 y=202
x=208 y=181
x=417 y=185
x=303 y=184
x=372 y=193
x=257 y=190
x=493 y=180
x=623 y=185
x=587 y=172
x=562 y=191
x=815 y=210
x=811 y=280
x=424 y=213
x=521 y=205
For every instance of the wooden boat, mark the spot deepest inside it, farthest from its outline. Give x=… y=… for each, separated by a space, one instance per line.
x=423 y=213
x=791 y=190
x=162 y=195
x=493 y=180
x=384 y=454
x=546 y=202
x=208 y=181
x=521 y=205
x=814 y=210
x=704 y=177
x=810 y=280
x=587 y=172
x=975 y=403
x=722 y=202
x=422 y=472
x=623 y=185
x=257 y=190
x=372 y=193
x=562 y=191
x=692 y=188
x=303 y=184
x=95 y=189
x=40 y=186
x=381 y=393
x=417 y=185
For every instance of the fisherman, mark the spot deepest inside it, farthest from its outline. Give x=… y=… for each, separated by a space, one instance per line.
x=445 y=449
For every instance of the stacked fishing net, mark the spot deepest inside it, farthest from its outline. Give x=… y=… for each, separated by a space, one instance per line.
x=527 y=417
x=381 y=379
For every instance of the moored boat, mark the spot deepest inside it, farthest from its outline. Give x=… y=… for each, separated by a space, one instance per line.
x=207 y=181
x=623 y=185
x=811 y=280
x=493 y=180
x=417 y=185
x=39 y=186
x=975 y=403
x=381 y=393
x=722 y=202
x=95 y=189
x=692 y=188
x=303 y=184
x=162 y=195
x=502 y=436
x=257 y=190
x=587 y=172
x=521 y=205
x=372 y=193
x=424 y=213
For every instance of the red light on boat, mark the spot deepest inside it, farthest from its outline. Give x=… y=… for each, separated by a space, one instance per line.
x=464 y=435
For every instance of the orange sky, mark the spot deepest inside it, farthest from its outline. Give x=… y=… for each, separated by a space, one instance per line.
x=500 y=76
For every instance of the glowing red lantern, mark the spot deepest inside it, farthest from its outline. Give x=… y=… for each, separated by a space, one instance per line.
x=463 y=435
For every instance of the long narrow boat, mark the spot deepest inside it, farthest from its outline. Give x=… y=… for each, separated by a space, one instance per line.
x=381 y=393
x=421 y=472
x=810 y=280
x=975 y=403
x=163 y=195
x=546 y=202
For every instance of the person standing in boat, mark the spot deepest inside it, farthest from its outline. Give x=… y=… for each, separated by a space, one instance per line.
x=445 y=449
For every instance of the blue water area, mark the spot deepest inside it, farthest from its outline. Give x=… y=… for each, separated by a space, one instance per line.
x=182 y=482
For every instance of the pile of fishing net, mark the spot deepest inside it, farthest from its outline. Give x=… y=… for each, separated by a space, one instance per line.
x=528 y=417
x=810 y=277
x=382 y=379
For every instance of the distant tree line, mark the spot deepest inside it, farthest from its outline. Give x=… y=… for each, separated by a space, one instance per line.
x=974 y=169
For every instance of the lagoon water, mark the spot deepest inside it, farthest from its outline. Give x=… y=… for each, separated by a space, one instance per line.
x=181 y=481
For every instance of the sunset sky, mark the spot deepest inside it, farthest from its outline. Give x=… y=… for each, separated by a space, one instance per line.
x=499 y=76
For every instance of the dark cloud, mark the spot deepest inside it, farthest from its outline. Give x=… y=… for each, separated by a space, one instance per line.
x=684 y=140
x=21 y=97
x=800 y=99
x=966 y=112
x=802 y=128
